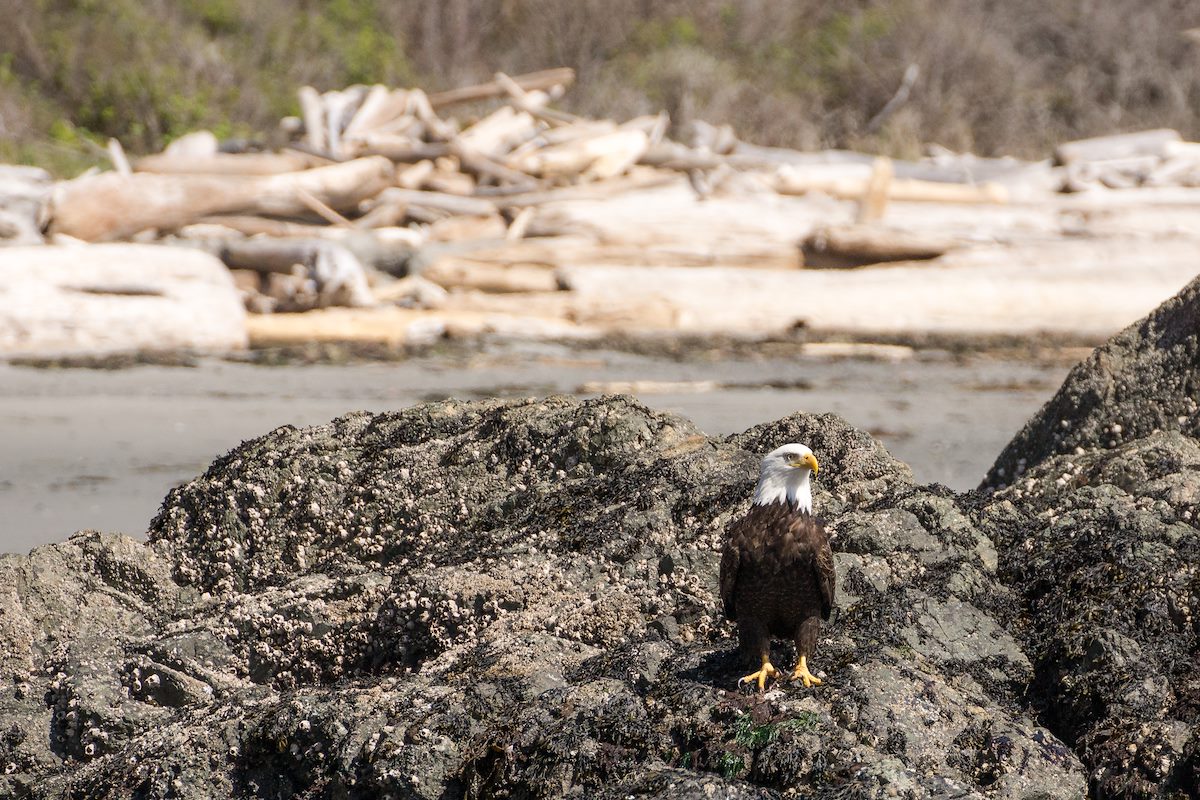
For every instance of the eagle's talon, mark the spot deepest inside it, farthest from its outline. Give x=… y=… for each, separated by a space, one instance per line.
x=768 y=671
x=801 y=673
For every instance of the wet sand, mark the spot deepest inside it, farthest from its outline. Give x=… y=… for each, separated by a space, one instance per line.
x=99 y=449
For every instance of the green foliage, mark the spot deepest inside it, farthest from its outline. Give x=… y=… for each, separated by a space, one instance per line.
x=756 y=736
x=994 y=78
x=659 y=34
x=730 y=765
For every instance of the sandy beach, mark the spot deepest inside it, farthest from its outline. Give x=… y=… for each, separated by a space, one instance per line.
x=92 y=448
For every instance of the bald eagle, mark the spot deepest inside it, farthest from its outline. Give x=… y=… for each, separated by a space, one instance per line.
x=777 y=576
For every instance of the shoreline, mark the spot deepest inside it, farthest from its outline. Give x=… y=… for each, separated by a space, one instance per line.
x=99 y=447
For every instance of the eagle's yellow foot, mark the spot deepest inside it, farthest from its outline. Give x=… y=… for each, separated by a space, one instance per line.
x=801 y=673
x=768 y=671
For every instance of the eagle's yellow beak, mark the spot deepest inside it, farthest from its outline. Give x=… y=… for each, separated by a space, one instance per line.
x=809 y=461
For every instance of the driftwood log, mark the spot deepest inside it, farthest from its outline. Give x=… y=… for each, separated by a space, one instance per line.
x=226 y=163
x=1156 y=143
x=860 y=245
x=533 y=81
x=110 y=206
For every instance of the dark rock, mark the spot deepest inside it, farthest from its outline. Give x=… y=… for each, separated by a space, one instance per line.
x=517 y=599
x=1097 y=533
x=1145 y=379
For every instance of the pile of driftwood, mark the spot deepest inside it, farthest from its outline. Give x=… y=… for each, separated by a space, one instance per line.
x=486 y=208
x=378 y=181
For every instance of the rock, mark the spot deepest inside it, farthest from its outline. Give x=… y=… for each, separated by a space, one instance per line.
x=1144 y=379
x=518 y=598
x=1098 y=536
x=116 y=298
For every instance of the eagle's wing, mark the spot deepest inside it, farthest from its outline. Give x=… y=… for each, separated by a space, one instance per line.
x=729 y=569
x=826 y=576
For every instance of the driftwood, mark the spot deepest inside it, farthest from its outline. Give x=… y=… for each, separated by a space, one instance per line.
x=602 y=156
x=116 y=298
x=544 y=80
x=875 y=197
x=336 y=275
x=24 y=195
x=109 y=206
x=462 y=273
x=226 y=163
x=850 y=186
x=455 y=204
x=860 y=245
x=401 y=149
x=1157 y=143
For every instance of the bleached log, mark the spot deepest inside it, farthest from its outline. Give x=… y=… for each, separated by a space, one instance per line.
x=336 y=272
x=849 y=186
x=414 y=176
x=544 y=80
x=1156 y=142
x=859 y=245
x=107 y=207
x=120 y=161
x=873 y=203
x=24 y=197
x=339 y=110
x=449 y=180
x=420 y=107
x=400 y=149
x=196 y=144
x=312 y=111
x=452 y=272
x=534 y=103
x=499 y=132
x=116 y=298
x=597 y=189
x=673 y=155
x=454 y=204
x=225 y=163
x=392 y=327
x=602 y=156
x=484 y=166
x=376 y=107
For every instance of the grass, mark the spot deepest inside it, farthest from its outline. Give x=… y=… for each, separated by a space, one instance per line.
x=754 y=736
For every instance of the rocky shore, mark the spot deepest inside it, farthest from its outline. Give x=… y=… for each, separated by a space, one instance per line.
x=516 y=599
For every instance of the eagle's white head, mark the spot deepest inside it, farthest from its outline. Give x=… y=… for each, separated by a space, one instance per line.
x=784 y=477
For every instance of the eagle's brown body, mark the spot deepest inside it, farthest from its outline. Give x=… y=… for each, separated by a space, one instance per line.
x=777 y=578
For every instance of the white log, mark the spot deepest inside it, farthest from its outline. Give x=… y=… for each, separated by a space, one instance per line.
x=842 y=182
x=873 y=204
x=101 y=299
x=312 y=111
x=1156 y=142
x=499 y=132
x=544 y=80
x=120 y=161
x=107 y=207
x=451 y=272
x=1081 y=288
x=454 y=204
x=198 y=144
x=24 y=198
x=226 y=163
x=379 y=107
x=602 y=156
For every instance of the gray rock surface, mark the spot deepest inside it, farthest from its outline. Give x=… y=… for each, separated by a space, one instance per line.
x=1098 y=535
x=516 y=599
x=1144 y=379
x=512 y=599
